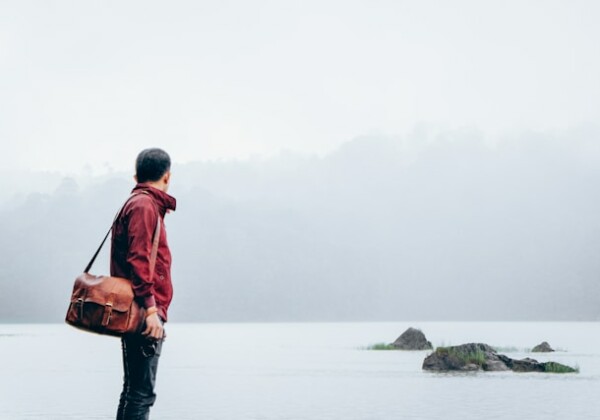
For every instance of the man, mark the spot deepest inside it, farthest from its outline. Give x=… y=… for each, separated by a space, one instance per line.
x=132 y=238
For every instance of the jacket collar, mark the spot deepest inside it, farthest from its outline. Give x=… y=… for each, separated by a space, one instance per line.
x=164 y=201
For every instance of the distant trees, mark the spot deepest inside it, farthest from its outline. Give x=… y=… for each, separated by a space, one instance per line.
x=431 y=226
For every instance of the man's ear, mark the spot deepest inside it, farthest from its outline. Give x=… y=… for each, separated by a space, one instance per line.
x=135 y=178
x=167 y=177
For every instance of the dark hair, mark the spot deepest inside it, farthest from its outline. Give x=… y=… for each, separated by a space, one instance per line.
x=151 y=165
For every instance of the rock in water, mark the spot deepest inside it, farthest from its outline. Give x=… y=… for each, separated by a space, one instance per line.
x=412 y=339
x=466 y=357
x=479 y=356
x=543 y=347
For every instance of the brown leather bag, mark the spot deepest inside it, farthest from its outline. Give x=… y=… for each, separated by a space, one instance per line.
x=105 y=304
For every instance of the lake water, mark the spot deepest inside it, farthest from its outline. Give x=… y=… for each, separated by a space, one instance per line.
x=299 y=371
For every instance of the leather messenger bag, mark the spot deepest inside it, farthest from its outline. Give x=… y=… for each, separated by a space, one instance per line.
x=104 y=304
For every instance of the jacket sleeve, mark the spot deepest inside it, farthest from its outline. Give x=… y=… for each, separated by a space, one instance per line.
x=140 y=232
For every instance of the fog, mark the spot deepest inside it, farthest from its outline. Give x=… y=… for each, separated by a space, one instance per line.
x=434 y=225
x=89 y=84
x=333 y=160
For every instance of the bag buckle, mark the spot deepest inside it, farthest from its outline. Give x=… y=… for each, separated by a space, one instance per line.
x=80 y=303
x=107 y=314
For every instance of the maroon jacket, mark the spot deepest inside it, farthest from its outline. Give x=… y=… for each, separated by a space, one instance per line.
x=132 y=236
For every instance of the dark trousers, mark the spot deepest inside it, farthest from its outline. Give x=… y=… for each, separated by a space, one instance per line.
x=140 y=363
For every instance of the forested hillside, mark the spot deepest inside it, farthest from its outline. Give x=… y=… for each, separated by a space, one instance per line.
x=432 y=226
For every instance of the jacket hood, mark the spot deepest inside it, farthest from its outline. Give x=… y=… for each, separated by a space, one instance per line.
x=164 y=201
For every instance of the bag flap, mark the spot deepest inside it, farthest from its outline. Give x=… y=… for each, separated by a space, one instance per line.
x=104 y=289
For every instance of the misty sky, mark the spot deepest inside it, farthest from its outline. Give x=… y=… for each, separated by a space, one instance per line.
x=93 y=82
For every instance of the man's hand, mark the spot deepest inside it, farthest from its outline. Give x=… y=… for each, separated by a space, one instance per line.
x=154 y=327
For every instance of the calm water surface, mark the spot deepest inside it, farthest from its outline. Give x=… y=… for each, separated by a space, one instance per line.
x=299 y=371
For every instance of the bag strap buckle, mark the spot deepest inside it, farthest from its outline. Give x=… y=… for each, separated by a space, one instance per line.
x=108 y=307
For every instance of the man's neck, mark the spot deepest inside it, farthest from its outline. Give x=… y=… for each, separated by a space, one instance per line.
x=158 y=185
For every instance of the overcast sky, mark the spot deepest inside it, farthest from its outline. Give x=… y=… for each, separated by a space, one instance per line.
x=93 y=82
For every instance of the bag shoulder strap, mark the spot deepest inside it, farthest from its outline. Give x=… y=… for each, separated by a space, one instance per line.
x=153 y=252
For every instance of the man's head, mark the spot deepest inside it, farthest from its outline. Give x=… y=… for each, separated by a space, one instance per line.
x=153 y=166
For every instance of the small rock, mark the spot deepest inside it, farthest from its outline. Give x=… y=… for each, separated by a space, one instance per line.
x=412 y=339
x=526 y=365
x=495 y=366
x=470 y=367
x=542 y=348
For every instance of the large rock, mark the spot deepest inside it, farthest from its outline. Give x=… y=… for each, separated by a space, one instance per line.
x=466 y=357
x=479 y=356
x=412 y=339
x=543 y=347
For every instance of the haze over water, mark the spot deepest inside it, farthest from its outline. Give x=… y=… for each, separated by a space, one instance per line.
x=303 y=371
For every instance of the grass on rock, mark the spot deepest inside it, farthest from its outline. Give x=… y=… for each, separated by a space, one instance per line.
x=381 y=346
x=552 y=367
x=476 y=357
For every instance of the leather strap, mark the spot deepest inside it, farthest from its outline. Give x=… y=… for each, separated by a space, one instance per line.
x=153 y=253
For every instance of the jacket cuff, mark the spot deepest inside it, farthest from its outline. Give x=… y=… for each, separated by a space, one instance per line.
x=149 y=301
